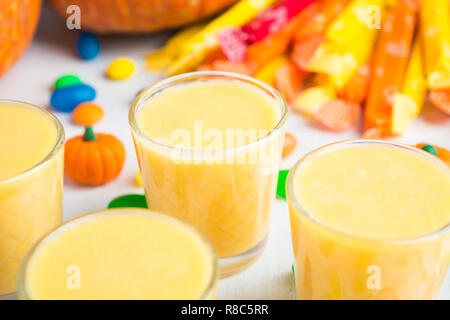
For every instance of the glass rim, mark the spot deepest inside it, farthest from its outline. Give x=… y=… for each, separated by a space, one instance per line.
x=294 y=201
x=170 y=81
x=55 y=149
x=211 y=284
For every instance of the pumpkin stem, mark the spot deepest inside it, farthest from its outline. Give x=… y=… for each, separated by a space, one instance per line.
x=89 y=134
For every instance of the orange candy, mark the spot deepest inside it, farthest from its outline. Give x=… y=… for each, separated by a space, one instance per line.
x=441 y=100
x=289 y=81
x=87 y=114
x=290 y=143
x=338 y=115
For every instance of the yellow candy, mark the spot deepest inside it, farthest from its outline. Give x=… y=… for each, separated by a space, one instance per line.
x=435 y=20
x=409 y=102
x=139 y=179
x=268 y=72
x=312 y=98
x=120 y=68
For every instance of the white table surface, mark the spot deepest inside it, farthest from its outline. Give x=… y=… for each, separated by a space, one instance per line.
x=52 y=54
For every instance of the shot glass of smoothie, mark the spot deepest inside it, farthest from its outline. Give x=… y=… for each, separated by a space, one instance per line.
x=209 y=146
x=369 y=220
x=120 y=254
x=31 y=181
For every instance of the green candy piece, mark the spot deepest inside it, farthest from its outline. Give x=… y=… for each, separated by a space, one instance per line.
x=129 y=201
x=281 y=185
x=429 y=148
x=67 y=80
x=293 y=271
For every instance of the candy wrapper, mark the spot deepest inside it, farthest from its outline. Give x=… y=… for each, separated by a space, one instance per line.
x=196 y=48
x=389 y=66
x=348 y=43
x=435 y=20
x=234 y=41
x=409 y=101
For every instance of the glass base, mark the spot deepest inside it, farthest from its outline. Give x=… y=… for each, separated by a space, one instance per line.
x=230 y=266
x=8 y=296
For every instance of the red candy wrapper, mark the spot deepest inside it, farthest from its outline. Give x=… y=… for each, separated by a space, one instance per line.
x=234 y=42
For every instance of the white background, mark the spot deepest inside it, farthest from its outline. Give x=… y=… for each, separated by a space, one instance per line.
x=53 y=53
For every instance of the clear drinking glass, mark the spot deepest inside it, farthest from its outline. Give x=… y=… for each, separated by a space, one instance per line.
x=24 y=290
x=227 y=194
x=30 y=205
x=331 y=264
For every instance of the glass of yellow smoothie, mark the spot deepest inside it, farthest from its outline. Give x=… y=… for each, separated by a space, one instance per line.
x=209 y=146
x=31 y=181
x=120 y=254
x=369 y=220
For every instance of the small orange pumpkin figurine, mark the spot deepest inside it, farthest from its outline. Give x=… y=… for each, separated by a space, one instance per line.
x=94 y=159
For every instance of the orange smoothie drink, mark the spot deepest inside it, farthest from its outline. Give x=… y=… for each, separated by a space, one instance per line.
x=369 y=220
x=31 y=179
x=209 y=146
x=120 y=254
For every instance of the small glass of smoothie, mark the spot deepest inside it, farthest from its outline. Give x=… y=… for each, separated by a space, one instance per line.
x=120 y=254
x=31 y=181
x=209 y=146
x=370 y=220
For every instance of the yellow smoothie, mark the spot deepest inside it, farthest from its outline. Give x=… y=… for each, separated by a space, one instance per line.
x=120 y=254
x=31 y=176
x=361 y=216
x=209 y=154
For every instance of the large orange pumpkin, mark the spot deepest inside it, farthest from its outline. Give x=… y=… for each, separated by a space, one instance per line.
x=140 y=15
x=18 y=19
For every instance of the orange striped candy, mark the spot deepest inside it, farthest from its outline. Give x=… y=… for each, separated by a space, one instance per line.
x=338 y=115
x=289 y=81
x=441 y=100
x=290 y=143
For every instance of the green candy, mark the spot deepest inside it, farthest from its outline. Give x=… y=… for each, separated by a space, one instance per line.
x=429 y=148
x=66 y=80
x=129 y=201
x=281 y=185
x=293 y=271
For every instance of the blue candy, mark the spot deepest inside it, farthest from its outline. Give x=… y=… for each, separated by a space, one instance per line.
x=65 y=99
x=88 y=46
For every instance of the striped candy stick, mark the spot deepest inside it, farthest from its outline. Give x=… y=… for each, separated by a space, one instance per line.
x=390 y=63
x=409 y=101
